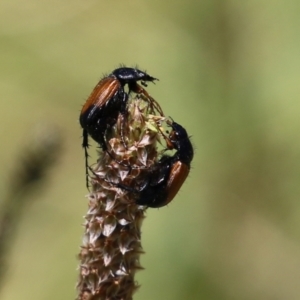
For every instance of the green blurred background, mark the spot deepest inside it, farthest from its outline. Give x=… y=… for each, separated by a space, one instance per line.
x=229 y=72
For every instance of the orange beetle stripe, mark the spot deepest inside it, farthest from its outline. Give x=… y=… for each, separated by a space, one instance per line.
x=178 y=175
x=103 y=91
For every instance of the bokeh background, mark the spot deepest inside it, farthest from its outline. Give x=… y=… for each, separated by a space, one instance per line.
x=229 y=72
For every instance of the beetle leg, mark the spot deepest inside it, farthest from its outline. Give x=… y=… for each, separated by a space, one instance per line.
x=85 y=145
x=145 y=96
x=128 y=188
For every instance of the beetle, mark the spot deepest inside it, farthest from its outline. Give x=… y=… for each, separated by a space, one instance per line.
x=166 y=176
x=109 y=99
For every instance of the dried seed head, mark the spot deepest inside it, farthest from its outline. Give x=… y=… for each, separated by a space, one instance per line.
x=111 y=245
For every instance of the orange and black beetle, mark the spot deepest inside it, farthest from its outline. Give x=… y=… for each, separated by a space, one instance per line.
x=107 y=101
x=168 y=174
